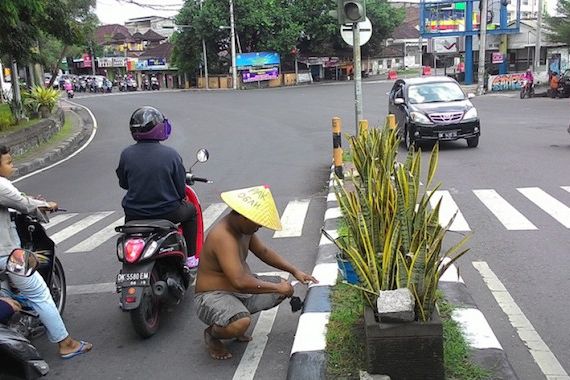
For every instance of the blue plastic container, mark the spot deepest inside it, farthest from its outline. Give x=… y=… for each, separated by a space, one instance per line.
x=347 y=271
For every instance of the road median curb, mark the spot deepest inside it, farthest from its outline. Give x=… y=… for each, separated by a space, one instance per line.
x=308 y=356
x=65 y=148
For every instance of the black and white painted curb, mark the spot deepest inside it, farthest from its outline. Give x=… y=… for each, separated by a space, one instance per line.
x=308 y=360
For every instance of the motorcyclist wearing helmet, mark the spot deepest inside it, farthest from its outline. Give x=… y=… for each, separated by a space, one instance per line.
x=155 y=178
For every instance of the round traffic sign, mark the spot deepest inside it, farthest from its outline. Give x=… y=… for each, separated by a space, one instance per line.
x=365 y=32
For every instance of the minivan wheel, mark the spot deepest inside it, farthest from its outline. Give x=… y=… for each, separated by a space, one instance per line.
x=473 y=142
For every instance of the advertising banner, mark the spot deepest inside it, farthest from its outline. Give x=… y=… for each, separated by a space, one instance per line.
x=86 y=60
x=254 y=75
x=258 y=59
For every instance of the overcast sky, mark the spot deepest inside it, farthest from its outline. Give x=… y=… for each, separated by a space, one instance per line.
x=119 y=11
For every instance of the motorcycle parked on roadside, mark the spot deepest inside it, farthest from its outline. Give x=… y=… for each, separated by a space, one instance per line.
x=154 y=254
x=19 y=359
x=154 y=85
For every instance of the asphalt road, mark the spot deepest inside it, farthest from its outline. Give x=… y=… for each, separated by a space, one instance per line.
x=282 y=137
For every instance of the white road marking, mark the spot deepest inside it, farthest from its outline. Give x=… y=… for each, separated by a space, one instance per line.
x=254 y=351
x=451 y=274
x=475 y=328
x=333 y=213
x=311 y=332
x=567 y=188
x=504 y=211
x=548 y=203
x=447 y=209
x=325 y=241
x=293 y=219
x=103 y=287
x=59 y=219
x=542 y=355
x=79 y=226
x=326 y=274
x=331 y=197
x=98 y=238
x=212 y=213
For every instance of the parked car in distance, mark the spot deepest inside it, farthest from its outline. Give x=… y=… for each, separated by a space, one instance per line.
x=433 y=109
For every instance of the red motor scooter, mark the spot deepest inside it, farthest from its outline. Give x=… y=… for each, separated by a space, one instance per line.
x=154 y=257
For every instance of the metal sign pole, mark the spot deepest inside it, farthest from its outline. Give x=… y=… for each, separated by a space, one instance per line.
x=482 y=48
x=357 y=74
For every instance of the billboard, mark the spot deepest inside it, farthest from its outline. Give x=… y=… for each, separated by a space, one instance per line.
x=259 y=74
x=257 y=59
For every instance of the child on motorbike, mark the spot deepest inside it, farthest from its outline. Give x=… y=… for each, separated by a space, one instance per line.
x=155 y=178
x=33 y=288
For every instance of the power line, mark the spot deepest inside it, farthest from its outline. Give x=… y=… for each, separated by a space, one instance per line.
x=156 y=7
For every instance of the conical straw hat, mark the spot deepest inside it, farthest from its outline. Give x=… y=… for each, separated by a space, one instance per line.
x=256 y=204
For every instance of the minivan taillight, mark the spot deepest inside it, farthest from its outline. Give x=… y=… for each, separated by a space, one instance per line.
x=133 y=250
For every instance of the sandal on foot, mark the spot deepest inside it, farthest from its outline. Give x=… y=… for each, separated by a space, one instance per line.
x=83 y=348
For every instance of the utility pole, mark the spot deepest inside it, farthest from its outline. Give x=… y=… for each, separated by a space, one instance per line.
x=420 y=46
x=482 y=48
x=205 y=56
x=233 y=42
x=536 y=63
x=357 y=74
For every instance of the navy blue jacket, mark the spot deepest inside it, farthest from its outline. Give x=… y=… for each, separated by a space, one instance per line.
x=154 y=177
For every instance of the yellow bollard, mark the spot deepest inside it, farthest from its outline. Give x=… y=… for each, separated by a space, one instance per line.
x=337 y=148
x=391 y=121
x=362 y=126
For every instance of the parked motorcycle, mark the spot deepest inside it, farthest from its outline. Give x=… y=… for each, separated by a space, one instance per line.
x=146 y=84
x=154 y=85
x=19 y=359
x=527 y=89
x=154 y=255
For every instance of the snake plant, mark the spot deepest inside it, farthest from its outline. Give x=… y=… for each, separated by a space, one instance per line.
x=394 y=237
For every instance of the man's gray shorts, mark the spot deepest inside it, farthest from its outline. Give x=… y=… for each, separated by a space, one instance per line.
x=221 y=307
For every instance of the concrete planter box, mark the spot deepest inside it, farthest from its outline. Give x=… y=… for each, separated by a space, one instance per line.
x=404 y=351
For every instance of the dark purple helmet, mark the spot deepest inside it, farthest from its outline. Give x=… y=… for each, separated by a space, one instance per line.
x=148 y=123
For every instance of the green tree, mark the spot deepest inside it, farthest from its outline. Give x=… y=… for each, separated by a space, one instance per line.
x=559 y=26
x=276 y=25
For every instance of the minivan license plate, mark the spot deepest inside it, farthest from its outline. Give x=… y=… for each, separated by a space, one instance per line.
x=133 y=279
x=447 y=135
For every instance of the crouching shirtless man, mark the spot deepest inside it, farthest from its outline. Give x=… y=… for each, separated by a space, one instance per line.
x=227 y=292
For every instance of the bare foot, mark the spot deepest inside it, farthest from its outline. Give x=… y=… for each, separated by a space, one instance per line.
x=215 y=346
x=244 y=338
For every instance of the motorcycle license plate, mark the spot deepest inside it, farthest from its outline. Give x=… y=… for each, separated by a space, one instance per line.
x=133 y=279
x=448 y=135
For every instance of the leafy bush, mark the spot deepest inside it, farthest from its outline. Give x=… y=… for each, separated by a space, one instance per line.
x=6 y=121
x=394 y=237
x=40 y=98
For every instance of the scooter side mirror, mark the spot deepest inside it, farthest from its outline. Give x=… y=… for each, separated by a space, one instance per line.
x=22 y=262
x=202 y=155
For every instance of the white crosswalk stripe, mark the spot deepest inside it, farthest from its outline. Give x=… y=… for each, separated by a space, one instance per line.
x=60 y=218
x=293 y=219
x=295 y=214
x=548 y=203
x=79 y=226
x=511 y=218
x=447 y=209
x=98 y=238
x=212 y=213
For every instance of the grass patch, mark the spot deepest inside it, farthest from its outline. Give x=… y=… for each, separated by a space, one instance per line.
x=456 y=349
x=345 y=333
x=55 y=139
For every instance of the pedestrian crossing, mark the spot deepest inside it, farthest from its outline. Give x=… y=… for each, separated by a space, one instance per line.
x=535 y=209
